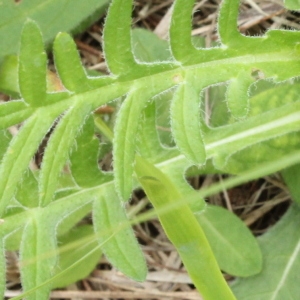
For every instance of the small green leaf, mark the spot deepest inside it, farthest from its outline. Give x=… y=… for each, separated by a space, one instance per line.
x=148 y=47
x=124 y=142
x=27 y=193
x=126 y=128
x=72 y=254
x=234 y=246
x=32 y=65
x=148 y=144
x=38 y=254
x=238 y=95
x=84 y=158
x=68 y=64
x=57 y=151
x=228 y=16
x=180 y=31
x=186 y=126
x=118 y=28
x=280 y=247
x=116 y=236
x=19 y=154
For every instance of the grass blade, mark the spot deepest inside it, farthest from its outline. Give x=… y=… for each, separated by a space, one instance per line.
x=184 y=232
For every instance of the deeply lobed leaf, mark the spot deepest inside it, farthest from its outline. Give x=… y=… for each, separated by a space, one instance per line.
x=276 y=55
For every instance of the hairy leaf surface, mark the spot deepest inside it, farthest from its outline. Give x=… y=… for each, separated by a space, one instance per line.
x=140 y=83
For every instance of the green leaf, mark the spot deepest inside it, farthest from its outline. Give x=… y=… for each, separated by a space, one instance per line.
x=180 y=31
x=148 y=143
x=186 y=49
x=228 y=31
x=13 y=240
x=27 y=193
x=9 y=76
x=163 y=103
x=84 y=158
x=291 y=177
x=126 y=128
x=57 y=151
x=52 y=16
x=219 y=108
x=148 y=47
x=116 y=236
x=292 y=4
x=68 y=64
x=186 y=127
x=18 y=155
x=238 y=95
x=38 y=254
x=280 y=247
x=117 y=28
x=13 y=112
x=183 y=230
x=32 y=66
x=72 y=249
x=233 y=244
